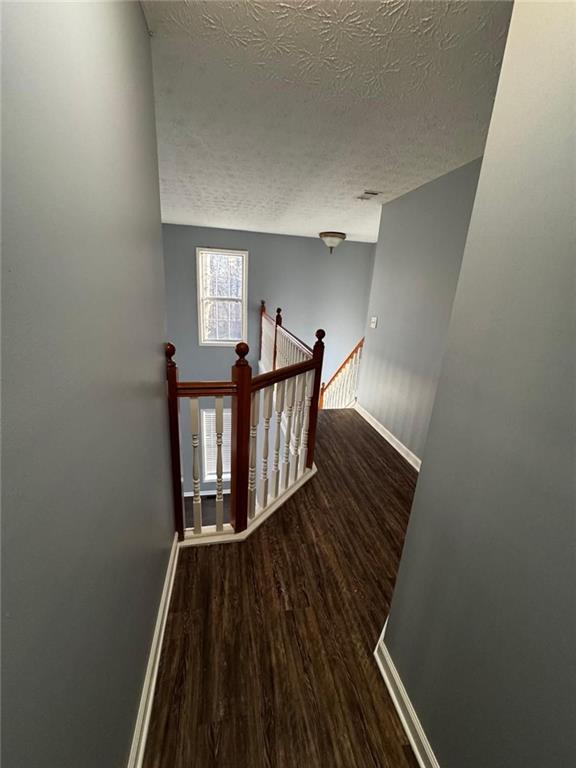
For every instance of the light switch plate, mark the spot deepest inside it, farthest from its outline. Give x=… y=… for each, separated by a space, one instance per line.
x=374 y=321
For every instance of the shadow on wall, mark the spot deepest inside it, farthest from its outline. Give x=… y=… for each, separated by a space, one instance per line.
x=416 y=268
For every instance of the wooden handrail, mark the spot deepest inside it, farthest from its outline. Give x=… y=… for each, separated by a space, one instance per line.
x=206 y=388
x=280 y=374
x=345 y=363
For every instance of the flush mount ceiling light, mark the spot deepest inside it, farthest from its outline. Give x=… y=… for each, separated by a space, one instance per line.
x=332 y=239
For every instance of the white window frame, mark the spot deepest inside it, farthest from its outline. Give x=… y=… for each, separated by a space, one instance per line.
x=210 y=477
x=200 y=298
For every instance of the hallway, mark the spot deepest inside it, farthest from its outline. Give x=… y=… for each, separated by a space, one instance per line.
x=267 y=657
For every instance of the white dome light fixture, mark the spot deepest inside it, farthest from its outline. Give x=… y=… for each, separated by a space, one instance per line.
x=332 y=239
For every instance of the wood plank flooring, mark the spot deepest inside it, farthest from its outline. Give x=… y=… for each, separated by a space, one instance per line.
x=267 y=658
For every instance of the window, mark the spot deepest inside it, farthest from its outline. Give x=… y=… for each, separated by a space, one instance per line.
x=222 y=278
x=209 y=445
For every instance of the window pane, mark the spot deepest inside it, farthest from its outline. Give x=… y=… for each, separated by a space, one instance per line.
x=236 y=320
x=236 y=277
x=210 y=274
x=222 y=275
x=210 y=323
x=223 y=321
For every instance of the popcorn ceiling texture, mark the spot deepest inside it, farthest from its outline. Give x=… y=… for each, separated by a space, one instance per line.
x=274 y=116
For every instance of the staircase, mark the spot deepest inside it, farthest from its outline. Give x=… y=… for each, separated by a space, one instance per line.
x=342 y=389
x=272 y=434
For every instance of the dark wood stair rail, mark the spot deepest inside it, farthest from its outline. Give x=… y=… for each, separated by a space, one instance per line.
x=240 y=389
x=344 y=364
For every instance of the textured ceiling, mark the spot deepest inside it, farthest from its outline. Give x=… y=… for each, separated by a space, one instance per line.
x=274 y=116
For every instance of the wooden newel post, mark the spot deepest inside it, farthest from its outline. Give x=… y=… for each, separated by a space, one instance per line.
x=278 y=322
x=173 y=423
x=262 y=313
x=242 y=377
x=317 y=356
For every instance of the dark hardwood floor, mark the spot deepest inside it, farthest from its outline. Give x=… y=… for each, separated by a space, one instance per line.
x=267 y=658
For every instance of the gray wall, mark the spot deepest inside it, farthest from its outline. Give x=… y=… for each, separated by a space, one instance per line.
x=86 y=503
x=482 y=622
x=418 y=258
x=314 y=288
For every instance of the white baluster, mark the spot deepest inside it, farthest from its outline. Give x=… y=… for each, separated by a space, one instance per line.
x=195 y=428
x=346 y=398
x=219 y=406
x=290 y=392
x=278 y=347
x=254 y=419
x=264 y=355
x=270 y=357
x=297 y=425
x=357 y=358
x=351 y=366
x=308 y=388
x=267 y=415
x=278 y=408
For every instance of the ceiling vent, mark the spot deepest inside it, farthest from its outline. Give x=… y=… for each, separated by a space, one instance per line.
x=368 y=194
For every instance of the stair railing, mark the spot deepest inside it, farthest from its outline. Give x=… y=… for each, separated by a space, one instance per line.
x=342 y=389
x=273 y=435
x=278 y=346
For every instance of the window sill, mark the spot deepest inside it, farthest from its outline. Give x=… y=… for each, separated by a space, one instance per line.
x=219 y=343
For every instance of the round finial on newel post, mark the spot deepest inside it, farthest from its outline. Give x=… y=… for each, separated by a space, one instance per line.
x=318 y=351
x=262 y=307
x=169 y=351
x=278 y=316
x=242 y=350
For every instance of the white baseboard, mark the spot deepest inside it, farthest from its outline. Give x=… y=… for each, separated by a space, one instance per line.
x=147 y=696
x=406 y=453
x=406 y=712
